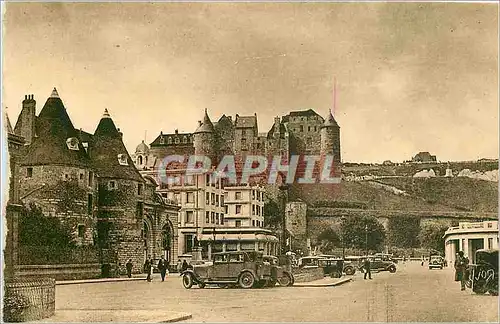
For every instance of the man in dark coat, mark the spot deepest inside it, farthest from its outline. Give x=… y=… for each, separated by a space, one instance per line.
x=461 y=264
x=129 y=268
x=147 y=267
x=184 y=265
x=367 y=267
x=162 y=266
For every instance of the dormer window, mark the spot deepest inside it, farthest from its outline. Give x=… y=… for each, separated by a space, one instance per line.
x=122 y=159
x=162 y=140
x=176 y=140
x=170 y=140
x=112 y=185
x=72 y=143
x=184 y=140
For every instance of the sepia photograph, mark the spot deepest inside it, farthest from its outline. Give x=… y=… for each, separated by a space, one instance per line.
x=250 y=162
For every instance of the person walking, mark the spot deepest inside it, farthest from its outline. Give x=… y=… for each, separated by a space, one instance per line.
x=162 y=266
x=148 y=267
x=129 y=268
x=367 y=268
x=461 y=263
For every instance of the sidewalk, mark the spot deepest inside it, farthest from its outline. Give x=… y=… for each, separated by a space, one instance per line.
x=156 y=276
x=120 y=316
x=325 y=282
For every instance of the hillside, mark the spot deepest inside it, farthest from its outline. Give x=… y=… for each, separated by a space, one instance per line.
x=459 y=193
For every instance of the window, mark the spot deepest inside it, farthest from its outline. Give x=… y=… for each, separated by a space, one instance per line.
x=189 y=197
x=238 y=195
x=122 y=159
x=72 y=143
x=207 y=217
x=308 y=128
x=162 y=140
x=207 y=179
x=189 y=243
x=258 y=210
x=207 y=198
x=315 y=129
x=177 y=141
x=170 y=140
x=253 y=222
x=253 y=209
x=184 y=140
x=189 y=216
x=226 y=209
x=140 y=209
x=91 y=179
x=222 y=219
x=253 y=194
x=213 y=218
x=90 y=206
x=217 y=200
x=238 y=223
x=29 y=172
x=81 y=176
x=213 y=198
x=81 y=231
x=301 y=128
x=217 y=218
x=140 y=188
x=490 y=243
x=66 y=177
x=238 y=209
x=139 y=160
x=112 y=185
x=243 y=143
x=236 y=258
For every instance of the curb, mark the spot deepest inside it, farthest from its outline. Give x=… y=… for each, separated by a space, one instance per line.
x=178 y=319
x=85 y=281
x=333 y=284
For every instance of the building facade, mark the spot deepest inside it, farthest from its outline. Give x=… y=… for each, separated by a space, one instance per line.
x=90 y=183
x=470 y=237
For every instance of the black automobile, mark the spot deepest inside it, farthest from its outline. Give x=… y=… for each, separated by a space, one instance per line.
x=483 y=276
x=382 y=263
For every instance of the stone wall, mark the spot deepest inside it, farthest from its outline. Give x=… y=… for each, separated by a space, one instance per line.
x=308 y=274
x=59 y=271
x=296 y=221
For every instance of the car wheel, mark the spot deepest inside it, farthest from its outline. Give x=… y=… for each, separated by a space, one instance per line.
x=187 y=280
x=246 y=280
x=392 y=269
x=286 y=280
x=349 y=271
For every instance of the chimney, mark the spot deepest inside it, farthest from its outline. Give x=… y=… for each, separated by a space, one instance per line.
x=25 y=125
x=177 y=131
x=121 y=134
x=199 y=123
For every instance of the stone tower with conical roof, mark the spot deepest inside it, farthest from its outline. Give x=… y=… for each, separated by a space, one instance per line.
x=204 y=139
x=330 y=138
x=121 y=196
x=55 y=171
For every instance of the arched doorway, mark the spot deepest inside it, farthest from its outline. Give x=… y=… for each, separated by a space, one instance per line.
x=167 y=236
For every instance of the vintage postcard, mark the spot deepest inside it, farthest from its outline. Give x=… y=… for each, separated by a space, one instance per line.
x=250 y=161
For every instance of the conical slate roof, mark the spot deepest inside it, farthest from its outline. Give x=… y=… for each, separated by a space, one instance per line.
x=330 y=121
x=54 y=129
x=8 y=124
x=206 y=126
x=142 y=148
x=106 y=150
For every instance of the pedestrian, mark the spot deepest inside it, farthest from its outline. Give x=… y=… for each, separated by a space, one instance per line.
x=148 y=268
x=367 y=267
x=461 y=263
x=184 y=266
x=129 y=268
x=179 y=265
x=162 y=266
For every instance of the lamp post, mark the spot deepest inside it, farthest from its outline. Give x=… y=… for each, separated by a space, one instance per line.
x=342 y=235
x=366 y=239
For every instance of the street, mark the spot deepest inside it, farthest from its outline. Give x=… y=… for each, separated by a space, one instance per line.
x=412 y=294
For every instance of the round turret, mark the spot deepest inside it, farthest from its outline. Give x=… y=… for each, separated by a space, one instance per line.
x=330 y=138
x=204 y=138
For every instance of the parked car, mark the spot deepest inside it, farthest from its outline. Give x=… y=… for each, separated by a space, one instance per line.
x=386 y=257
x=484 y=273
x=309 y=262
x=436 y=261
x=276 y=273
x=333 y=267
x=243 y=269
x=382 y=264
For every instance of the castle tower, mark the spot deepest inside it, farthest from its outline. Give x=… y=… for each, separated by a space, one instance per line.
x=121 y=196
x=330 y=138
x=204 y=139
x=25 y=125
x=55 y=172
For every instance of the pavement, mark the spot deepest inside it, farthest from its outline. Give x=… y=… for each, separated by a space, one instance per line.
x=83 y=281
x=325 y=282
x=412 y=294
x=121 y=316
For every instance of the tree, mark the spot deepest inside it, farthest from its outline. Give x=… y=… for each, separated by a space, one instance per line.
x=403 y=231
x=354 y=233
x=36 y=229
x=272 y=214
x=431 y=237
x=328 y=239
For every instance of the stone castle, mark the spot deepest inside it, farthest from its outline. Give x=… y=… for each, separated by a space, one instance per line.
x=90 y=183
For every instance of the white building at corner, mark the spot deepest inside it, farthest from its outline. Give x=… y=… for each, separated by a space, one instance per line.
x=470 y=237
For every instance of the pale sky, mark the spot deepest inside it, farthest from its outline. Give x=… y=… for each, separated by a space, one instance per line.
x=410 y=76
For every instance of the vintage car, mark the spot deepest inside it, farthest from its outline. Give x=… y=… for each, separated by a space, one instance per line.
x=386 y=256
x=309 y=262
x=241 y=268
x=436 y=261
x=276 y=272
x=382 y=263
x=483 y=276
x=333 y=267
